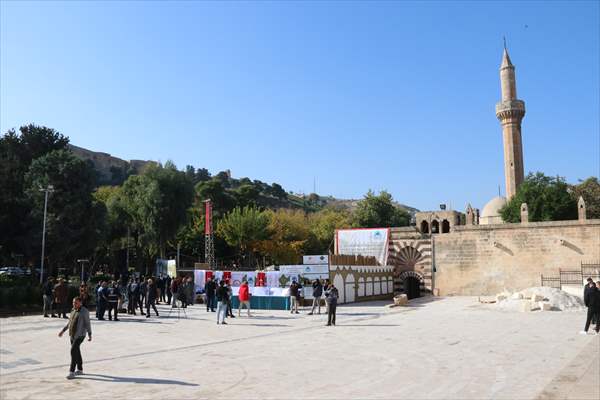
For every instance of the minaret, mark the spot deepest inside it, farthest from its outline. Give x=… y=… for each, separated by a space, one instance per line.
x=510 y=111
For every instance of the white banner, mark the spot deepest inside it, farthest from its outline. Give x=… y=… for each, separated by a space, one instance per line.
x=199 y=281
x=315 y=260
x=365 y=242
x=237 y=277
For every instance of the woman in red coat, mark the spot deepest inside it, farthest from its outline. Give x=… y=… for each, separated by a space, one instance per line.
x=244 y=297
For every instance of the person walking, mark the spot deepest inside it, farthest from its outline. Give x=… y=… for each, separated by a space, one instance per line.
x=160 y=286
x=592 y=302
x=190 y=291
x=78 y=325
x=61 y=293
x=586 y=288
x=151 y=295
x=326 y=293
x=317 y=293
x=210 y=289
x=229 y=297
x=113 y=296
x=244 y=298
x=331 y=300
x=221 y=303
x=294 y=289
x=47 y=290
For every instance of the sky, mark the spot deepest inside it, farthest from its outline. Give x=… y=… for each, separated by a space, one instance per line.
x=344 y=96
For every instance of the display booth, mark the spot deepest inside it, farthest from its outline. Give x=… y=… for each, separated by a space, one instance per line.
x=269 y=289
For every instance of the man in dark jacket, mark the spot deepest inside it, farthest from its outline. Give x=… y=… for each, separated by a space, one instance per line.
x=294 y=295
x=586 y=288
x=222 y=297
x=317 y=293
x=61 y=293
x=592 y=302
x=151 y=295
x=113 y=296
x=48 y=298
x=331 y=299
x=168 y=288
x=210 y=289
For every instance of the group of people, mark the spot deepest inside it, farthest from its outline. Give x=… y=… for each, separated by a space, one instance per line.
x=219 y=295
x=591 y=299
x=320 y=290
x=55 y=297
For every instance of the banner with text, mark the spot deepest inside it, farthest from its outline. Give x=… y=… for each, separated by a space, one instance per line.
x=365 y=242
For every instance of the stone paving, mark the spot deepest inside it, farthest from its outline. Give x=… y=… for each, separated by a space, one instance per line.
x=437 y=348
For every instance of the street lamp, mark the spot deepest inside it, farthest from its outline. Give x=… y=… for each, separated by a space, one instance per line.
x=81 y=261
x=47 y=190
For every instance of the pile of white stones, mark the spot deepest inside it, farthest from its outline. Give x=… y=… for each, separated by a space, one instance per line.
x=539 y=299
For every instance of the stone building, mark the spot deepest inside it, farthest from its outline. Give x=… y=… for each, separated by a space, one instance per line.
x=449 y=252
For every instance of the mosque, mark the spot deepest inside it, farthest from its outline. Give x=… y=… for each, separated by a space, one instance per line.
x=451 y=252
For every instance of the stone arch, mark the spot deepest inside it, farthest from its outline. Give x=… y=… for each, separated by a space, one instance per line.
x=369 y=286
x=412 y=284
x=377 y=286
x=435 y=226
x=424 y=227
x=338 y=282
x=445 y=226
x=350 y=288
x=361 y=286
x=408 y=257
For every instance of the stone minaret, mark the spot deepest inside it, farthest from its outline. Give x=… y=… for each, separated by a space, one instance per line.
x=510 y=111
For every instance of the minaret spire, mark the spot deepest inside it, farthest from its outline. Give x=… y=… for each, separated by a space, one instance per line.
x=510 y=111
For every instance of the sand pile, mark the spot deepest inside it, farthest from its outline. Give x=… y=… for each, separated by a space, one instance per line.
x=539 y=298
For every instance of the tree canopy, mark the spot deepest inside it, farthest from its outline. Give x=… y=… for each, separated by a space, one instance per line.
x=548 y=199
x=375 y=211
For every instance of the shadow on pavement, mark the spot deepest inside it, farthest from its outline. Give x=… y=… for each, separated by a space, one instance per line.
x=125 y=379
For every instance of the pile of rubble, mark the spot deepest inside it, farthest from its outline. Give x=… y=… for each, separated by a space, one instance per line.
x=539 y=299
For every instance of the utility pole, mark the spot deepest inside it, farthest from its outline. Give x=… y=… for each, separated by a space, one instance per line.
x=209 y=239
x=82 y=261
x=178 y=253
x=47 y=190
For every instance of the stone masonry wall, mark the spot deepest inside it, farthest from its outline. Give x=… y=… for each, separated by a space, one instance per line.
x=486 y=259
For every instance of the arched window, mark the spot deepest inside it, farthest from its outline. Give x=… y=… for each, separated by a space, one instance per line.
x=435 y=226
x=424 y=227
x=445 y=226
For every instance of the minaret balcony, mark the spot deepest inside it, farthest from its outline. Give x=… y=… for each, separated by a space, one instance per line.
x=510 y=109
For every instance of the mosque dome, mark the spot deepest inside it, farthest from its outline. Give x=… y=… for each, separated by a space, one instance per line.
x=491 y=211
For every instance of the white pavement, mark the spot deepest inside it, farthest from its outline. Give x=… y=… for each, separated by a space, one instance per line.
x=437 y=348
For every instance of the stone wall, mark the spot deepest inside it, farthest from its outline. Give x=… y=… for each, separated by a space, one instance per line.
x=486 y=259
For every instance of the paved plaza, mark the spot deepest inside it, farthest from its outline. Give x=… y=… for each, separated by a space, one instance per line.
x=436 y=348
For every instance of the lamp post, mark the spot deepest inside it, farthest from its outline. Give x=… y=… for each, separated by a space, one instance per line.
x=81 y=261
x=47 y=190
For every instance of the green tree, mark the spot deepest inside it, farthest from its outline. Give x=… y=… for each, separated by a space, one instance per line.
x=375 y=211
x=289 y=234
x=547 y=198
x=589 y=189
x=322 y=228
x=277 y=191
x=244 y=228
x=17 y=151
x=156 y=203
x=214 y=190
x=75 y=218
x=247 y=195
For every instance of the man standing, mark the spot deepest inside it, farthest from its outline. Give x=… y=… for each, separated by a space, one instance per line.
x=113 y=301
x=331 y=300
x=48 y=288
x=61 y=293
x=160 y=285
x=151 y=295
x=244 y=297
x=102 y=300
x=317 y=293
x=222 y=297
x=175 y=291
x=78 y=325
x=229 y=297
x=143 y=290
x=294 y=289
x=592 y=302
x=168 y=288
x=210 y=291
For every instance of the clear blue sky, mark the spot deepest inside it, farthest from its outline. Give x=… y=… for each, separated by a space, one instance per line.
x=391 y=95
